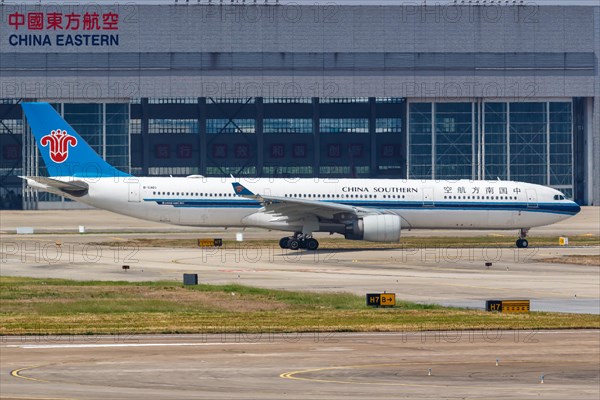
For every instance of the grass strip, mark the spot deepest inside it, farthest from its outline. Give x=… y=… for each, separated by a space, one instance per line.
x=30 y=306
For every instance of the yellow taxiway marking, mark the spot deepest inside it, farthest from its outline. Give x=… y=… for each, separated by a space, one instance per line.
x=292 y=375
x=17 y=374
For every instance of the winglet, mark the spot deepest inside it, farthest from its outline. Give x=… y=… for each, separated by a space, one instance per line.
x=241 y=190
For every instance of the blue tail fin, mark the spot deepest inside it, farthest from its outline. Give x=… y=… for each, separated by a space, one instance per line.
x=241 y=190
x=65 y=153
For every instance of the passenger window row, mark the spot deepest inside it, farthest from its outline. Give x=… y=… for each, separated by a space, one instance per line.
x=196 y=194
x=465 y=197
x=332 y=196
x=343 y=196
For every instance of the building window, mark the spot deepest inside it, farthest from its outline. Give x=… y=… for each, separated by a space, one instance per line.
x=541 y=138
x=174 y=100
x=223 y=125
x=446 y=152
x=453 y=140
x=231 y=100
x=11 y=126
x=344 y=170
x=237 y=170
x=388 y=125
x=389 y=99
x=344 y=125
x=286 y=100
x=288 y=171
x=495 y=141
x=528 y=141
x=561 y=145
x=420 y=141
x=175 y=171
x=177 y=126
x=338 y=100
x=117 y=138
x=10 y=156
x=287 y=125
x=135 y=126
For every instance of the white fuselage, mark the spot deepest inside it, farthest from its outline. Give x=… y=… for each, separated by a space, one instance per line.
x=211 y=202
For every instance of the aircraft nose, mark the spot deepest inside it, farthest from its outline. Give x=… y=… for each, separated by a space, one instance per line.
x=575 y=207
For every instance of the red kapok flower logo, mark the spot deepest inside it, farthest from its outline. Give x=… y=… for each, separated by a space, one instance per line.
x=59 y=141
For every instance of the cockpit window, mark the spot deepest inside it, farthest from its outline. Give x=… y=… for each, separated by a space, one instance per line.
x=559 y=197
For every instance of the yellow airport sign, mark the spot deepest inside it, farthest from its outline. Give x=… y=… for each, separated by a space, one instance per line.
x=381 y=299
x=210 y=242
x=508 y=306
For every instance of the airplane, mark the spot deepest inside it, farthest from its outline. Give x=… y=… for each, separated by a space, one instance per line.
x=375 y=210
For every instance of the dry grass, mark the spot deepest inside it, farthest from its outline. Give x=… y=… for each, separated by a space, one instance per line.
x=376 y=320
x=592 y=260
x=185 y=299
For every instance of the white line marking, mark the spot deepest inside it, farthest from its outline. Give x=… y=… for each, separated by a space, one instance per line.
x=101 y=345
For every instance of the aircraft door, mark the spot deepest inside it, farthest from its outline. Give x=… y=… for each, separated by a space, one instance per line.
x=134 y=192
x=428 y=197
x=532 y=201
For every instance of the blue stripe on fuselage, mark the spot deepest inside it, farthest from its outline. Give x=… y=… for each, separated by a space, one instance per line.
x=555 y=208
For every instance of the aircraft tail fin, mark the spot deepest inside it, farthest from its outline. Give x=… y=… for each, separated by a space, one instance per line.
x=241 y=190
x=64 y=152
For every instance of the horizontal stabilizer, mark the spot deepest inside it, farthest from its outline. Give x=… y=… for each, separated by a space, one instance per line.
x=74 y=188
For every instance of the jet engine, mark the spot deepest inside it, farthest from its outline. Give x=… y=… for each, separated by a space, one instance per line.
x=375 y=228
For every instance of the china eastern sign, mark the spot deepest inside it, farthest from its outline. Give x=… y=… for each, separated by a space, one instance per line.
x=63 y=29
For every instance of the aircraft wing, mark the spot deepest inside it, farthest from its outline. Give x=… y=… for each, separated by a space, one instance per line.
x=74 y=188
x=287 y=208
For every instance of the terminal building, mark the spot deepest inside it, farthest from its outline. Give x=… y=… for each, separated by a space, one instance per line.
x=417 y=89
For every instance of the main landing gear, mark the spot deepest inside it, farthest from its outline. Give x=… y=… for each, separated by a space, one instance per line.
x=522 y=243
x=299 y=241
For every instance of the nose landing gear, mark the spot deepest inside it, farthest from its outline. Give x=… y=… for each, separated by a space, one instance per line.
x=521 y=242
x=299 y=241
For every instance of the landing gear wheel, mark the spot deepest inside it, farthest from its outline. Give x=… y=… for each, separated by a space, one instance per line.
x=312 y=244
x=522 y=243
x=293 y=244
x=283 y=242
